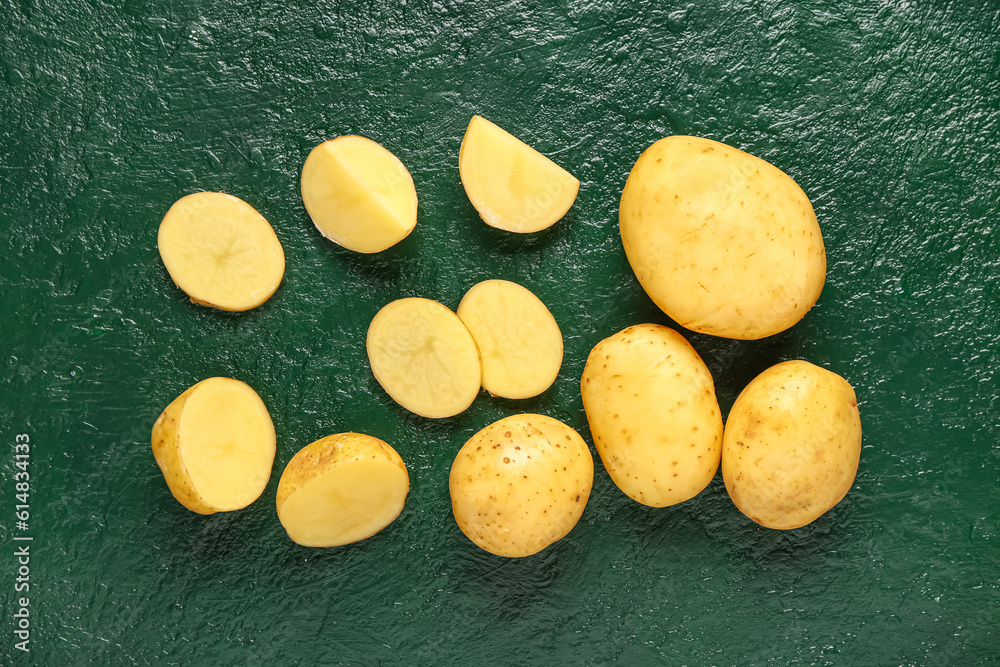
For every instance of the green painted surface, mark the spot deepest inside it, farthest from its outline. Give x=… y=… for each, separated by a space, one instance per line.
x=887 y=114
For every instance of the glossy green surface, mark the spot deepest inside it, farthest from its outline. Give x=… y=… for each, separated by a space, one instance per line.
x=886 y=113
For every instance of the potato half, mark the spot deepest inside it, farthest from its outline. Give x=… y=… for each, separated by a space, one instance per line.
x=724 y=242
x=521 y=484
x=651 y=405
x=519 y=341
x=358 y=194
x=511 y=185
x=792 y=445
x=215 y=445
x=341 y=489
x=220 y=251
x=424 y=357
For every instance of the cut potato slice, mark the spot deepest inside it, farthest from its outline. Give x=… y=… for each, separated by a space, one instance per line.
x=215 y=445
x=424 y=357
x=521 y=484
x=341 y=489
x=519 y=341
x=221 y=251
x=512 y=186
x=358 y=194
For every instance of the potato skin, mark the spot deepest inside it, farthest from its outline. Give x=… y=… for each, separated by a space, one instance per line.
x=521 y=484
x=653 y=413
x=166 y=451
x=792 y=445
x=723 y=242
x=315 y=458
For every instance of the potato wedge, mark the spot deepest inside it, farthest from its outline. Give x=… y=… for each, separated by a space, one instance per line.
x=341 y=489
x=511 y=185
x=215 y=446
x=722 y=241
x=424 y=357
x=521 y=484
x=519 y=341
x=220 y=251
x=792 y=445
x=358 y=194
x=650 y=401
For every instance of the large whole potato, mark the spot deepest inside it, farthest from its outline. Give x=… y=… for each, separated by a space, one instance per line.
x=651 y=404
x=521 y=484
x=792 y=444
x=724 y=242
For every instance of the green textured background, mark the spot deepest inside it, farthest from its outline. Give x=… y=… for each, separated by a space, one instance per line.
x=888 y=115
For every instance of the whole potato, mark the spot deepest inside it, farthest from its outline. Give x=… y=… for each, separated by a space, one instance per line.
x=724 y=242
x=651 y=404
x=792 y=445
x=521 y=484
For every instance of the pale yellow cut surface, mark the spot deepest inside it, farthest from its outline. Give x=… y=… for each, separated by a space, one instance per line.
x=521 y=484
x=358 y=194
x=424 y=357
x=221 y=251
x=792 y=445
x=519 y=341
x=651 y=404
x=341 y=489
x=511 y=185
x=725 y=243
x=215 y=445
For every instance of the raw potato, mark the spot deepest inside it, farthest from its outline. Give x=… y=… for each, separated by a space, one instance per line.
x=724 y=242
x=424 y=357
x=792 y=445
x=651 y=405
x=221 y=251
x=521 y=484
x=511 y=185
x=215 y=445
x=341 y=489
x=358 y=194
x=519 y=341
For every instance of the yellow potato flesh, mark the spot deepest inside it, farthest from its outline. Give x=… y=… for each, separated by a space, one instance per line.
x=341 y=489
x=424 y=357
x=722 y=241
x=519 y=341
x=650 y=401
x=215 y=445
x=221 y=251
x=521 y=484
x=511 y=185
x=358 y=194
x=792 y=445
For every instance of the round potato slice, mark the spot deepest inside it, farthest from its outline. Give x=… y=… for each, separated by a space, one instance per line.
x=221 y=251
x=792 y=445
x=521 y=484
x=722 y=241
x=215 y=446
x=519 y=341
x=358 y=194
x=511 y=185
x=424 y=357
x=650 y=401
x=341 y=489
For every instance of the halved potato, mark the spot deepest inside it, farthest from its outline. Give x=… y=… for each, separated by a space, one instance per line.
x=215 y=445
x=512 y=186
x=221 y=251
x=424 y=357
x=519 y=341
x=341 y=489
x=358 y=194
x=521 y=484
